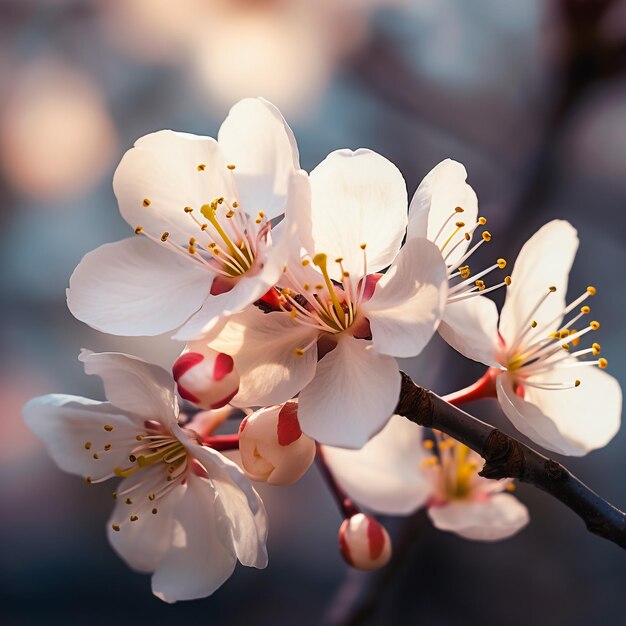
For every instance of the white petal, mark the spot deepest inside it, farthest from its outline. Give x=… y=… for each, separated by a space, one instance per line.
x=66 y=423
x=198 y=560
x=352 y=396
x=498 y=517
x=544 y=261
x=408 y=300
x=243 y=509
x=358 y=197
x=263 y=347
x=257 y=140
x=136 y=287
x=163 y=169
x=133 y=385
x=143 y=542
x=471 y=328
x=570 y=421
x=442 y=190
x=386 y=474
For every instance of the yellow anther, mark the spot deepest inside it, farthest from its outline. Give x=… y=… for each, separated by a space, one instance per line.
x=258 y=220
x=591 y=290
x=576 y=383
x=459 y=224
x=363 y=246
x=201 y=167
x=507 y=280
x=87 y=445
x=459 y=209
x=482 y=221
x=114 y=495
x=319 y=286
x=602 y=363
x=305 y=262
x=230 y=166
x=235 y=204
x=219 y=200
x=306 y=286
x=480 y=284
x=464 y=271
x=115 y=527
x=594 y=325
x=346 y=274
x=429 y=444
x=133 y=518
x=467 y=236
x=299 y=352
x=564 y=333
x=191 y=249
x=138 y=230
x=430 y=461
x=261 y=214
x=187 y=209
x=139 y=437
x=192 y=241
x=128 y=501
x=95 y=456
x=339 y=260
x=533 y=324
x=585 y=310
x=576 y=340
x=108 y=428
x=230 y=213
x=552 y=289
x=486 y=235
x=88 y=480
x=151 y=496
x=596 y=347
x=501 y=263
x=146 y=202
x=511 y=487
x=155 y=511
x=164 y=236
x=204 y=226
x=293 y=313
x=565 y=347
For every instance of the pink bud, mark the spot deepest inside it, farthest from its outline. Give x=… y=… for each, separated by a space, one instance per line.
x=272 y=446
x=207 y=378
x=364 y=543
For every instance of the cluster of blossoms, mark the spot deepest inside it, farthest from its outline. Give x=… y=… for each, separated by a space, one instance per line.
x=295 y=294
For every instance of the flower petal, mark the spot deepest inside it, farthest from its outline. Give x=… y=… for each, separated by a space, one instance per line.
x=72 y=429
x=352 y=396
x=257 y=140
x=135 y=287
x=241 y=504
x=358 y=197
x=133 y=385
x=198 y=560
x=263 y=347
x=544 y=261
x=141 y=543
x=438 y=195
x=171 y=171
x=568 y=421
x=498 y=517
x=385 y=475
x=408 y=300
x=471 y=328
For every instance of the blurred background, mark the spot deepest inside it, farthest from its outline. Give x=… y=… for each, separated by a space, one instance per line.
x=530 y=96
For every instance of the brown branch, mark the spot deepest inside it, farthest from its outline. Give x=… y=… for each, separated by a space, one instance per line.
x=505 y=457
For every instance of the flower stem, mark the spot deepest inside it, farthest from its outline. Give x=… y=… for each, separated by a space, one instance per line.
x=484 y=387
x=346 y=506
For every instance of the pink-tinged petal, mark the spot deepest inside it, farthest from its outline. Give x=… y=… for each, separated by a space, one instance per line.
x=358 y=197
x=136 y=287
x=142 y=541
x=495 y=518
x=408 y=301
x=243 y=515
x=544 y=261
x=352 y=395
x=199 y=559
x=439 y=194
x=257 y=140
x=73 y=430
x=568 y=421
x=471 y=328
x=385 y=475
x=165 y=172
x=133 y=385
x=263 y=347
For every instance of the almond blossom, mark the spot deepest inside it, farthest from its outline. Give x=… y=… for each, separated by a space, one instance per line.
x=551 y=394
x=183 y=511
x=201 y=210
x=335 y=324
x=396 y=474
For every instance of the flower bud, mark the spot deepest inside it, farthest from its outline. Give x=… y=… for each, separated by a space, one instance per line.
x=272 y=446
x=207 y=378
x=364 y=543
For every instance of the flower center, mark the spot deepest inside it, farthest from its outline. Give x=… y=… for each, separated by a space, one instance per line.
x=541 y=348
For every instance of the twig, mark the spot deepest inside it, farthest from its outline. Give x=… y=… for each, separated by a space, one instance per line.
x=506 y=457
